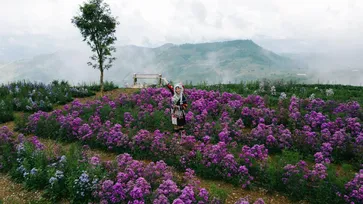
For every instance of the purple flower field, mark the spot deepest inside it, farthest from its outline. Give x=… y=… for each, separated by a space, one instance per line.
x=229 y=137
x=89 y=180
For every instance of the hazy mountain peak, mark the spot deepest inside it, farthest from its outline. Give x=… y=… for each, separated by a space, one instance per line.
x=212 y=62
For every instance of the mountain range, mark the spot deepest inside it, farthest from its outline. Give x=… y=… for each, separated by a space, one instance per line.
x=228 y=61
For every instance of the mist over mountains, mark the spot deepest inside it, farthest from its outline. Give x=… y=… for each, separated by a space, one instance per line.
x=215 y=62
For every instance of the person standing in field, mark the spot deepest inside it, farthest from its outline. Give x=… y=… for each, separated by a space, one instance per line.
x=179 y=104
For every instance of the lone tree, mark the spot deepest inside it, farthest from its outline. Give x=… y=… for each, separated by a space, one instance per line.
x=98 y=28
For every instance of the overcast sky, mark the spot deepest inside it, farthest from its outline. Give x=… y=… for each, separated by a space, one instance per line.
x=154 y=22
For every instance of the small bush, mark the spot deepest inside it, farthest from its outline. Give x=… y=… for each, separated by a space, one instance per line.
x=218 y=193
x=6 y=111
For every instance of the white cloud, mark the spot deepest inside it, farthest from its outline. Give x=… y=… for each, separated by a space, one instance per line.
x=145 y=22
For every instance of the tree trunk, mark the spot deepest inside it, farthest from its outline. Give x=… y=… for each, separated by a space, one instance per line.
x=101 y=82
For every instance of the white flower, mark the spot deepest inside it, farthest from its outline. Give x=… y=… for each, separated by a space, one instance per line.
x=273 y=90
x=25 y=174
x=312 y=96
x=283 y=96
x=261 y=87
x=329 y=92
x=59 y=174
x=20 y=148
x=21 y=169
x=52 y=180
x=33 y=171
x=63 y=159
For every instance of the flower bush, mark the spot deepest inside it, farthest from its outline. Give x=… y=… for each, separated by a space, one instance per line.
x=32 y=97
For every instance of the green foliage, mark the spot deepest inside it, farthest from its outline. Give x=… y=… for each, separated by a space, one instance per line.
x=219 y=193
x=21 y=122
x=94 y=87
x=31 y=97
x=298 y=188
x=56 y=190
x=271 y=177
x=6 y=111
x=57 y=172
x=40 y=201
x=7 y=156
x=157 y=120
x=50 y=128
x=105 y=112
x=31 y=167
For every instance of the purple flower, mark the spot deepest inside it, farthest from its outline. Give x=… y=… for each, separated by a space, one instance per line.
x=243 y=169
x=136 y=193
x=143 y=185
x=111 y=192
x=187 y=195
x=319 y=158
x=257 y=152
x=190 y=179
x=326 y=149
x=5 y=134
x=206 y=139
x=294 y=109
x=270 y=140
x=38 y=145
x=339 y=139
x=178 y=201
x=128 y=119
x=112 y=104
x=224 y=136
x=259 y=201
x=243 y=201
x=95 y=160
x=161 y=199
x=85 y=132
x=168 y=187
x=203 y=193
x=136 y=202
x=229 y=164
x=354 y=188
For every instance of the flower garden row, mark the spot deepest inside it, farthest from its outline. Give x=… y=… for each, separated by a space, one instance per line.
x=229 y=137
x=83 y=178
x=275 y=89
x=31 y=97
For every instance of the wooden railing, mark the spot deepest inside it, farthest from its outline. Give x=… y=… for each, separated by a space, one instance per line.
x=148 y=76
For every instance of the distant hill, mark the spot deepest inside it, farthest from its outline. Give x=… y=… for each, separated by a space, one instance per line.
x=212 y=62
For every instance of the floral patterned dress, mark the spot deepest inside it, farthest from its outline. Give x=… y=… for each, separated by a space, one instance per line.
x=178 y=112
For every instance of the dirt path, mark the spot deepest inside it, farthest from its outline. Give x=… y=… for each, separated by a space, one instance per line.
x=11 y=192
x=15 y=192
